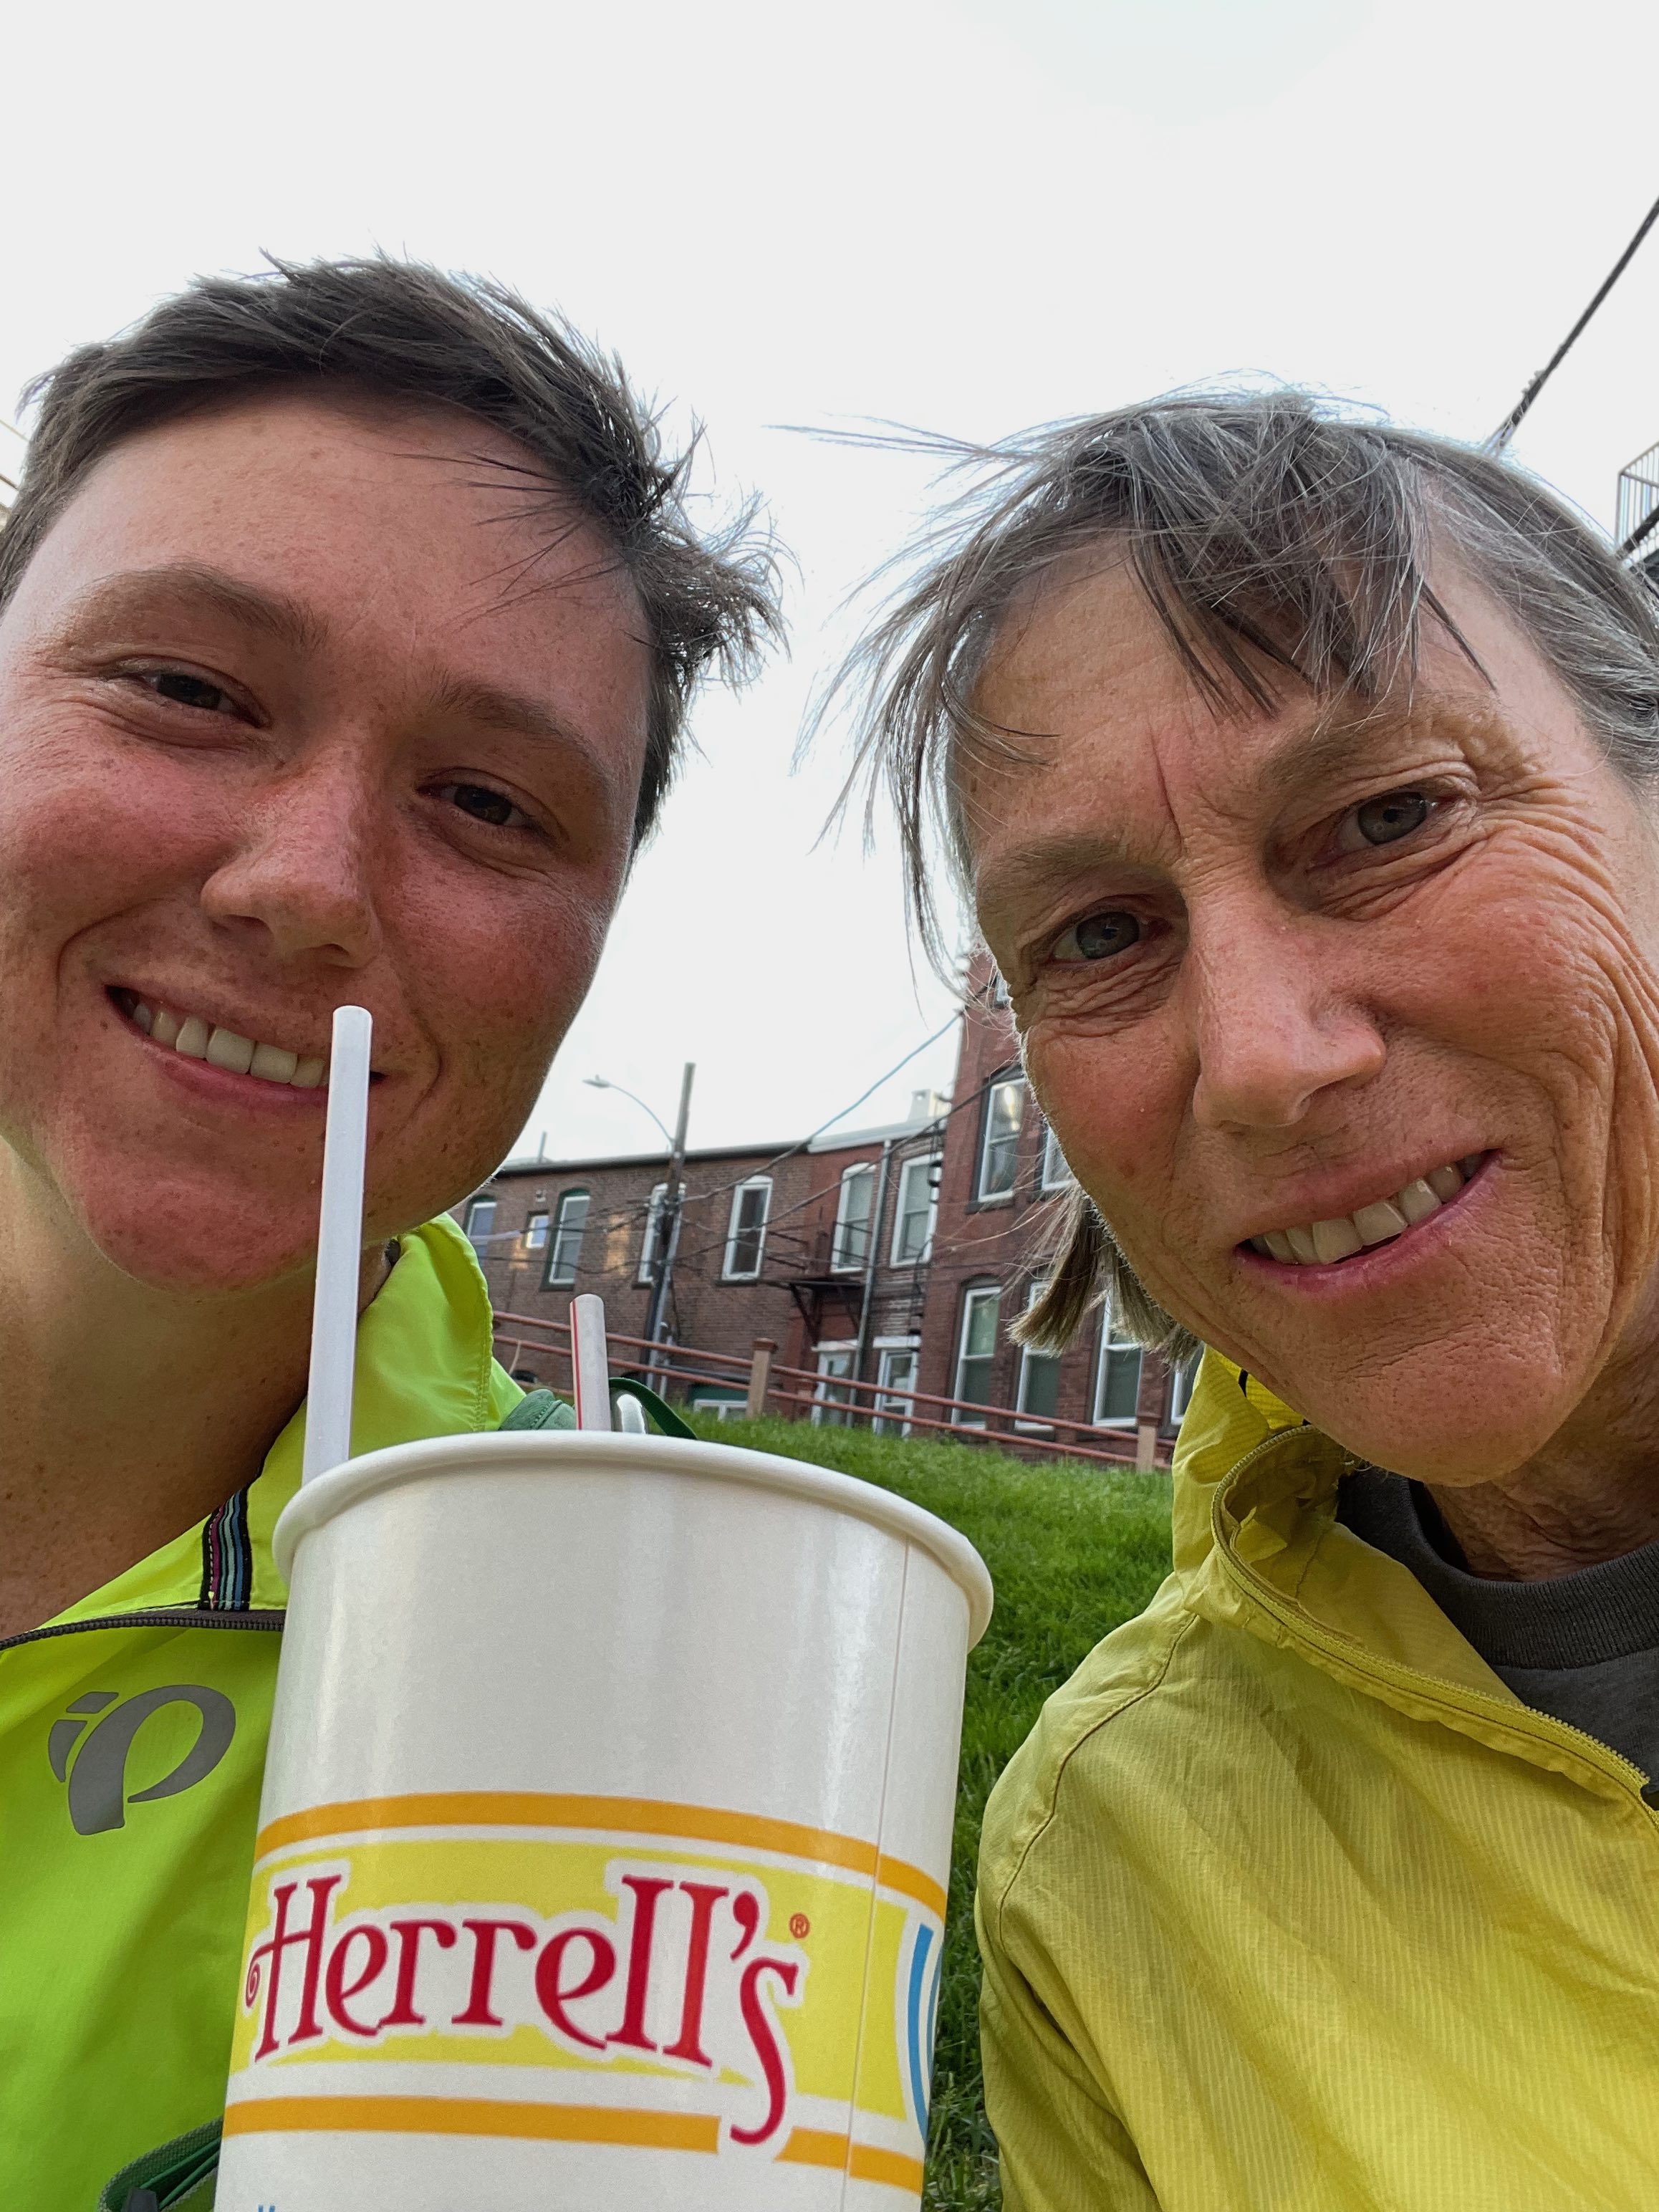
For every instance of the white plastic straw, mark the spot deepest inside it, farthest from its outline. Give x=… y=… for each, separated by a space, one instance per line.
x=339 y=1246
x=630 y=1416
x=590 y=1362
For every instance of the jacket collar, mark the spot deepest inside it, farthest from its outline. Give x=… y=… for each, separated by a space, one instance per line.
x=1257 y=1543
x=425 y=1368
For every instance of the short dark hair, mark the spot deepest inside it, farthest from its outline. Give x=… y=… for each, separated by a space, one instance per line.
x=405 y=332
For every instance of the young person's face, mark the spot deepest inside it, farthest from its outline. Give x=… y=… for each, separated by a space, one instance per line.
x=300 y=708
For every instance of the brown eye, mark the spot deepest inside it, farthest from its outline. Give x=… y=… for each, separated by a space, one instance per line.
x=1384 y=821
x=1098 y=937
x=180 y=689
x=486 y=805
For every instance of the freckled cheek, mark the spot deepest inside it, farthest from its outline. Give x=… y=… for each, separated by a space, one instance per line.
x=1116 y=1113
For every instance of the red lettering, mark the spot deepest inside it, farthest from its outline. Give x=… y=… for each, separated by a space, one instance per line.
x=550 y=1990
x=704 y=1898
x=312 y=1938
x=408 y=1933
x=484 y=1933
x=762 y=2035
x=338 y=1992
x=646 y=1889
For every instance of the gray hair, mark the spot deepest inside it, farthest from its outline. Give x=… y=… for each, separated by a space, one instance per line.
x=1279 y=545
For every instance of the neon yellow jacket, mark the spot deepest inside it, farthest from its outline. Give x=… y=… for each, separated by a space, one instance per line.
x=132 y=1741
x=1289 y=1902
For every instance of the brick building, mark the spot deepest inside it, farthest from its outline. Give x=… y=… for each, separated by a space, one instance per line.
x=896 y=1256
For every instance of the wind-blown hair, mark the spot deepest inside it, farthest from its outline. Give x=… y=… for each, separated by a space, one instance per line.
x=1283 y=547
x=406 y=333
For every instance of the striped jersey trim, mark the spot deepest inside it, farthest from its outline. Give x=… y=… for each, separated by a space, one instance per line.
x=227 y=1557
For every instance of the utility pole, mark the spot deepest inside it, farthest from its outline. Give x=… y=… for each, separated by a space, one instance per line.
x=668 y=1224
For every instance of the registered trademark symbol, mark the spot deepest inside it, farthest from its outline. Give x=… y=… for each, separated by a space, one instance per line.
x=799 y=1926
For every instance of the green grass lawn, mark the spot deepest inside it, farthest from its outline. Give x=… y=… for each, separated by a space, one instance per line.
x=1073 y=1550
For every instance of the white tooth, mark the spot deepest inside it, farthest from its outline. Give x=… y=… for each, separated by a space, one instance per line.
x=1259 y=1245
x=142 y=1015
x=276 y=1065
x=307 y=1075
x=1336 y=1240
x=1445 y=1182
x=1302 y=1250
x=165 y=1027
x=192 y=1038
x=1376 y=1223
x=1471 y=1163
x=226 y=1050
x=1417 y=1202
x=1280 y=1247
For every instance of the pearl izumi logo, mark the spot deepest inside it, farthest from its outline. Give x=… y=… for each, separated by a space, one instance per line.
x=93 y=1759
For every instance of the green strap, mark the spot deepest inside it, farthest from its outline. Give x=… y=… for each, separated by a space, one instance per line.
x=542 y=1409
x=179 y=2174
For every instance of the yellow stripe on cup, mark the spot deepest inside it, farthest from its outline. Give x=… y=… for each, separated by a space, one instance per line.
x=638 y=1816
x=474 y=2115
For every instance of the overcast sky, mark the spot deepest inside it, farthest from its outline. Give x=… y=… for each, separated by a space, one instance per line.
x=968 y=216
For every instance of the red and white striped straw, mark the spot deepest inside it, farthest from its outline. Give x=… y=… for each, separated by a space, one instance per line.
x=590 y=1362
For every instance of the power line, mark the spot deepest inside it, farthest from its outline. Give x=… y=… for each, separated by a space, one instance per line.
x=1507 y=429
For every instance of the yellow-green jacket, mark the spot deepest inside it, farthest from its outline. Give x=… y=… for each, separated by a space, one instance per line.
x=1289 y=1902
x=132 y=1741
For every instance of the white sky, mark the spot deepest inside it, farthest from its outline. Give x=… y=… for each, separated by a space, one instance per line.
x=965 y=215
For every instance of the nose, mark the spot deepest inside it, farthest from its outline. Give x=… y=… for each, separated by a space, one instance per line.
x=301 y=876
x=1276 y=1025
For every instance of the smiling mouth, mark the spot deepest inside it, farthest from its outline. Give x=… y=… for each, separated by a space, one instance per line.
x=1326 y=1244
x=194 y=1038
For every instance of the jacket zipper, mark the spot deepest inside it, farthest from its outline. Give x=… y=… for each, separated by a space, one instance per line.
x=160 y=1616
x=1544 y=1727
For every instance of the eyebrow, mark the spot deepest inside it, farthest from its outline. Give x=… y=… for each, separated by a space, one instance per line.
x=498 y=708
x=1045 y=863
x=1332 y=740
x=134 y=593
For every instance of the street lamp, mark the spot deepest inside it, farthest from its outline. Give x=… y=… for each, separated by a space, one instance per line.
x=668 y=1219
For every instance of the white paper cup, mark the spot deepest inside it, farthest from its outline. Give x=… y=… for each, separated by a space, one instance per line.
x=605 y=1835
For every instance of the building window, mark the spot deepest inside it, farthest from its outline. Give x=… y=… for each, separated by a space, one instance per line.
x=1181 y=1389
x=1117 y=1377
x=999 y=1144
x=725 y=1404
x=1039 y=1375
x=566 y=1255
x=480 y=1221
x=916 y=1211
x=535 y=1233
x=976 y=1352
x=649 y=1254
x=746 y=1238
x=999 y=991
x=850 y=1248
x=832 y=1399
x=896 y=1375
x=1056 y=1176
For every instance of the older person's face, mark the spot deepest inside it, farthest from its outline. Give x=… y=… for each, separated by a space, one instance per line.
x=1273 y=976
x=297 y=708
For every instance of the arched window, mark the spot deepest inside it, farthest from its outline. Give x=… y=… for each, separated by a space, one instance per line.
x=564 y=1255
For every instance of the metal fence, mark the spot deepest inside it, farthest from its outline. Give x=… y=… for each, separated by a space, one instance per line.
x=762 y=1384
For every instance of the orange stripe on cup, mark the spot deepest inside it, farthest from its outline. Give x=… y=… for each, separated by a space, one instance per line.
x=473 y=2116
x=640 y=1816
x=863 y=2161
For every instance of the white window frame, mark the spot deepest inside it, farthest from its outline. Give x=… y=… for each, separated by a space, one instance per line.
x=540 y=1219
x=835 y=1361
x=476 y=1236
x=1109 y=1343
x=895 y=1403
x=926 y=1165
x=976 y=1296
x=993 y=1091
x=1056 y=1175
x=861 y=1176
x=1034 y=1421
x=556 y=1242
x=728 y=1273
x=646 y=1273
